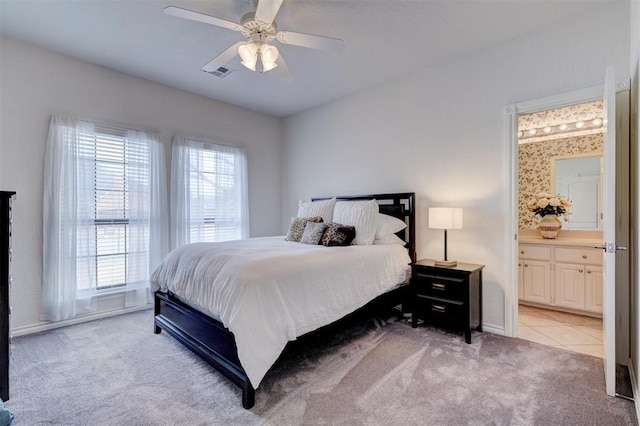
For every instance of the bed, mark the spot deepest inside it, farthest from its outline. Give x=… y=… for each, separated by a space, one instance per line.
x=237 y=304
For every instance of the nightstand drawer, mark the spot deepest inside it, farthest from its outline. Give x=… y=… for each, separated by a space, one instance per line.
x=439 y=286
x=441 y=311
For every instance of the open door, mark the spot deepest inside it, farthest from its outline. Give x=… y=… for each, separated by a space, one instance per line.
x=609 y=232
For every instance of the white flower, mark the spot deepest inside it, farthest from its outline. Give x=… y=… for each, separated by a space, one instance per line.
x=555 y=202
x=542 y=203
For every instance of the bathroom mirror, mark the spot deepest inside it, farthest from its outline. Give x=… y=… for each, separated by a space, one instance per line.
x=579 y=178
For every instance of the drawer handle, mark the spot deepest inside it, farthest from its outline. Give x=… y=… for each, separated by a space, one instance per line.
x=580 y=270
x=521 y=251
x=584 y=256
x=526 y=266
x=438 y=308
x=588 y=271
x=438 y=286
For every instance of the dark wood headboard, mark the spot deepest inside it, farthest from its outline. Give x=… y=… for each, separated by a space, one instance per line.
x=400 y=205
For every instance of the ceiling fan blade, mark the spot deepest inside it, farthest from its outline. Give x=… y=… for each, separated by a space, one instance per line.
x=222 y=58
x=201 y=17
x=267 y=10
x=283 y=71
x=311 y=41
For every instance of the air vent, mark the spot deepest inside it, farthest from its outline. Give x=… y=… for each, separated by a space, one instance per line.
x=221 y=72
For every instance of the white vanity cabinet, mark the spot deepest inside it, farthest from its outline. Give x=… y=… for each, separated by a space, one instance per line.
x=534 y=264
x=565 y=277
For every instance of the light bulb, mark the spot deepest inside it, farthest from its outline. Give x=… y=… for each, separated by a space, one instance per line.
x=532 y=132
x=597 y=122
x=547 y=130
x=579 y=124
x=563 y=127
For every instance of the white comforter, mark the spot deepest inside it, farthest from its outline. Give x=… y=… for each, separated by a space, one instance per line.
x=268 y=291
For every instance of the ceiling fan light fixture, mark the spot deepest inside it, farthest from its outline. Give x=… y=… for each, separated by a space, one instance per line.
x=249 y=54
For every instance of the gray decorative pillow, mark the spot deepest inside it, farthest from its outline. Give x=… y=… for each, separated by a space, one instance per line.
x=312 y=233
x=336 y=234
x=296 y=229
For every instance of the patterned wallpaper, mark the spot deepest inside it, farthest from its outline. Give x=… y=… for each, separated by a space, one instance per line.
x=534 y=162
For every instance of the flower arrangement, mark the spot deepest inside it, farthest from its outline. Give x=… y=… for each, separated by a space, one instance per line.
x=545 y=203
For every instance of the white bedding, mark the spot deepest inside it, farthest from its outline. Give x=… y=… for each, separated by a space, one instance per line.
x=268 y=291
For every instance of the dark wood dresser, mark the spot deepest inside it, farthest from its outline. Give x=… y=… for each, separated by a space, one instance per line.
x=5 y=283
x=450 y=297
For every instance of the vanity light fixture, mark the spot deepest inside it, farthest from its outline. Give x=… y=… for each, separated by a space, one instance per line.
x=591 y=126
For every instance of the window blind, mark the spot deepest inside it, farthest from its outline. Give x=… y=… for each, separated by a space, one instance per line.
x=113 y=209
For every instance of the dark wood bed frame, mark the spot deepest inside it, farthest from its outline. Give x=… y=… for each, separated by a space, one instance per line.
x=215 y=344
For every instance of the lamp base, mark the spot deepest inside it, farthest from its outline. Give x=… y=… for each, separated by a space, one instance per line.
x=447 y=263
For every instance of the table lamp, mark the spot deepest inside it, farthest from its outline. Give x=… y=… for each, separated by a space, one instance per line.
x=445 y=218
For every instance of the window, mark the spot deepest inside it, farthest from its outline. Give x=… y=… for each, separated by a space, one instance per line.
x=113 y=228
x=209 y=192
x=104 y=215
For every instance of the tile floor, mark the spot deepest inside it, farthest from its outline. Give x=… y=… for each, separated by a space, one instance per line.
x=576 y=333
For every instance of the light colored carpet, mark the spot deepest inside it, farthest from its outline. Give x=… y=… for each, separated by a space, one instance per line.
x=367 y=372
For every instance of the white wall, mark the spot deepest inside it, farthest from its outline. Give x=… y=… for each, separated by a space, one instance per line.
x=36 y=84
x=440 y=133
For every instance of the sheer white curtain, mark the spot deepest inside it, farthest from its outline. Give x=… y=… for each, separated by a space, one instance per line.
x=209 y=196
x=105 y=215
x=148 y=215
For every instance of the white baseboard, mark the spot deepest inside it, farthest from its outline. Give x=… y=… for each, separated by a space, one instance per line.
x=45 y=326
x=494 y=329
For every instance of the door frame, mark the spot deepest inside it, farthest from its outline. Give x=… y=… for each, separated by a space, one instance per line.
x=511 y=159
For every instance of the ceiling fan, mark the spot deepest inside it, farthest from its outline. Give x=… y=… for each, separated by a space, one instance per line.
x=259 y=29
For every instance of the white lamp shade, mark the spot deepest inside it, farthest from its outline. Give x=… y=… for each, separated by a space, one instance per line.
x=445 y=218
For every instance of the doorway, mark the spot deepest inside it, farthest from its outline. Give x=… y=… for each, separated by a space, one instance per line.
x=620 y=165
x=560 y=153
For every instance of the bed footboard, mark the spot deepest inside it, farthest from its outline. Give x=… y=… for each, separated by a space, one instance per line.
x=205 y=336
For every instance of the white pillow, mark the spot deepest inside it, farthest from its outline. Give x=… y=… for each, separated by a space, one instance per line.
x=388 y=225
x=322 y=208
x=363 y=215
x=389 y=239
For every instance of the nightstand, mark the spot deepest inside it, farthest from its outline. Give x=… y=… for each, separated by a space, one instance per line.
x=450 y=297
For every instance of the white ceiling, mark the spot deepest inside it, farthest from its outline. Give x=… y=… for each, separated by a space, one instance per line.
x=384 y=40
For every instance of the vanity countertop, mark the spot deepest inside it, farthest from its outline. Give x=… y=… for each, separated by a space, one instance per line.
x=565 y=238
x=561 y=241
